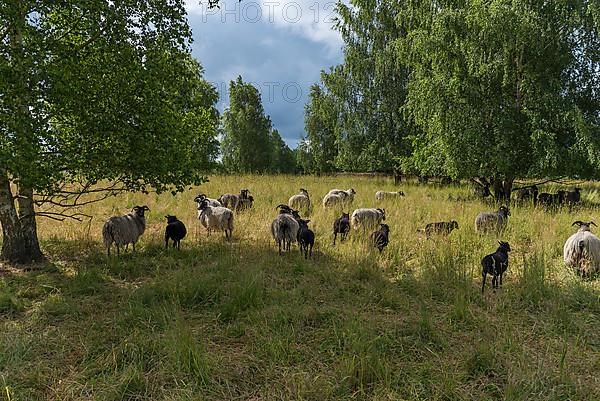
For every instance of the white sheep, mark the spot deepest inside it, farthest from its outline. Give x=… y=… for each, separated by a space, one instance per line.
x=215 y=218
x=339 y=197
x=367 y=218
x=284 y=228
x=380 y=195
x=124 y=230
x=582 y=250
x=300 y=201
x=492 y=221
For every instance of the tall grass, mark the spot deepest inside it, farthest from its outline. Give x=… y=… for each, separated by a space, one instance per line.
x=234 y=320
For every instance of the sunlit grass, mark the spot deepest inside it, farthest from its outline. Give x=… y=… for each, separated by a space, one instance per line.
x=223 y=320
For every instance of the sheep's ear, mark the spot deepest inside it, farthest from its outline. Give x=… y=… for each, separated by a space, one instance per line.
x=591 y=223
x=577 y=223
x=146 y=208
x=307 y=221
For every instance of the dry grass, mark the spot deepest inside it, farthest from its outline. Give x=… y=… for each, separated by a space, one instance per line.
x=221 y=321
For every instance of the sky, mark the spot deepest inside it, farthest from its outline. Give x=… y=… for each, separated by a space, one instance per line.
x=280 y=46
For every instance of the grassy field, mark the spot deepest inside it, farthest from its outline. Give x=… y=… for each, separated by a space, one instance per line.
x=236 y=321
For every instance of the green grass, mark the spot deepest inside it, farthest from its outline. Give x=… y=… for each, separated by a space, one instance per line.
x=224 y=321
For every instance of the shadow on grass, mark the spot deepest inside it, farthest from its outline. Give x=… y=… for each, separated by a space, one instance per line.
x=238 y=320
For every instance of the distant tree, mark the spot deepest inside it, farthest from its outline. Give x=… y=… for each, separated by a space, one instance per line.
x=246 y=144
x=504 y=89
x=304 y=157
x=359 y=106
x=95 y=98
x=283 y=160
x=321 y=123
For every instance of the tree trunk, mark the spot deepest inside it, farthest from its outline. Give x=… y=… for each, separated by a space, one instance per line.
x=502 y=189
x=20 y=243
x=19 y=232
x=397 y=177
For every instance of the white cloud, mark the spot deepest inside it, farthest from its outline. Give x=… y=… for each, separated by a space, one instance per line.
x=310 y=19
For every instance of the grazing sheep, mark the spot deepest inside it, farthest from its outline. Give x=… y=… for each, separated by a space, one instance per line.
x=492 y=221
x=232 y=201
x=495 y=264
x=211 y=202
x=381 y=237
x=547 y=200
x=245 y=203
x=300 y=201
x=341 y=226
x=572 y=197
x=331 y=200
x=526 y=194
x=124 y=230
x=284 y=228
x=380 y=195
x=339 y=197
x=442 y=227
x=367 y=218
x=582 y=250
x=306 y=238
x=215 y=218
x=175 y=231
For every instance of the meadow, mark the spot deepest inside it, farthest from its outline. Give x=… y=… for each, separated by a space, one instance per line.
x=234 y=320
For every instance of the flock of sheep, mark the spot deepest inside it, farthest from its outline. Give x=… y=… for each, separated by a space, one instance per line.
x=581 y=250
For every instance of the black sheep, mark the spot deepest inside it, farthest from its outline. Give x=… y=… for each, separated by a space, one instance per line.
x=306 y=238
x=381 y=237
x=175 y=231
x=341 y=226
x=495 y=264
x=442 y=227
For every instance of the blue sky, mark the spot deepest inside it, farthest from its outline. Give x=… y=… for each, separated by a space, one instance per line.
x=280 y=46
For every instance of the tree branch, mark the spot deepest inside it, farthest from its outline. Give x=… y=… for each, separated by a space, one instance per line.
x=61 y=216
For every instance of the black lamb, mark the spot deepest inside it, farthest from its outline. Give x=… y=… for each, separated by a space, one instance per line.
x=381 y=237
x=175 y=231
x=341 y=226
x=495 y=264
x=306 y=238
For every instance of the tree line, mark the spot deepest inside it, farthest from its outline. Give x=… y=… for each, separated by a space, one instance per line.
x=490 y=90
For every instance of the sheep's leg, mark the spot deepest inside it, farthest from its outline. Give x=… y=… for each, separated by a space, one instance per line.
x=494 y=282
x=310 y=252
x=483 y=284
x=108 y=250
x=133 y=247
x=335 y=236
x=279 y=245
x=167 y=243
x=118 y=250
x=501 y=279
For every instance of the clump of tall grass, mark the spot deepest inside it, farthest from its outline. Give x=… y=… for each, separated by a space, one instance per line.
x=532 y=289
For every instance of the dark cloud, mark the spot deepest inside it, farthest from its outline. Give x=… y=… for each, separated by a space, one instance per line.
x=282 y=61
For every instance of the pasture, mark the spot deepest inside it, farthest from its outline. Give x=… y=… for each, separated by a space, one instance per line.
x=234 y=320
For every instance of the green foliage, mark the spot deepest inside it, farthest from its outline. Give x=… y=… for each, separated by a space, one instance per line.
x=497 y=89
x=354 y=123
x=502 y=89
x=103 y=90
x=250 y=144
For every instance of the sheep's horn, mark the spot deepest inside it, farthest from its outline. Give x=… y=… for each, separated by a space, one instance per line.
x=578 y=223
